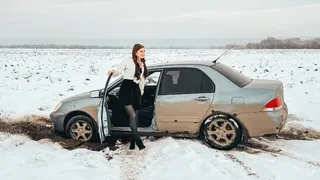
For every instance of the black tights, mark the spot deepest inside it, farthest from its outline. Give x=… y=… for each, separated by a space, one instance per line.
x=133 y=121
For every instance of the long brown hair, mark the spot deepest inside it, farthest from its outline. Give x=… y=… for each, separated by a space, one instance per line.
x=137 y=73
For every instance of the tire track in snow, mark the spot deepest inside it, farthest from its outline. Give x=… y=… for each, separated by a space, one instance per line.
x=247 y=169
x=263 y=145
x=292 y=132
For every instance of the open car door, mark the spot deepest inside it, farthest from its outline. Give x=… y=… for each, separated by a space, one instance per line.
x=104 y=121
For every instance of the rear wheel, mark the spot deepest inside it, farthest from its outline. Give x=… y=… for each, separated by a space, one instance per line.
x=80 y=128
x=221 y=132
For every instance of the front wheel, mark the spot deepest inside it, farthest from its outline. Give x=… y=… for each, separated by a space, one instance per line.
x=221 y=132
x=80 y=128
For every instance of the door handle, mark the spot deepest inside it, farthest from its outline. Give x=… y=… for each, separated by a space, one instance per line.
x=202 y=98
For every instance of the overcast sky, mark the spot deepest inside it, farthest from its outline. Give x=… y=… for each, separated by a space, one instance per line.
x=94 y=19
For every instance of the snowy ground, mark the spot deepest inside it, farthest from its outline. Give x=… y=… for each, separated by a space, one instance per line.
x=33 y=81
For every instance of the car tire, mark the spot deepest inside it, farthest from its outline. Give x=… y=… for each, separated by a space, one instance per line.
x=83 y=126
x=221 y=127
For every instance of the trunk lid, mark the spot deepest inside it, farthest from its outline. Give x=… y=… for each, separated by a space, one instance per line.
x=264 y=84
x=266 y=91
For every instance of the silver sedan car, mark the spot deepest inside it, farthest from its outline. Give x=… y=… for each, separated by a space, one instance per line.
x=197 y=99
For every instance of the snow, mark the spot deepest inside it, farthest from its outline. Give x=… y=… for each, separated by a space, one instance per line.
x=33 y=81
x=187 y=159
x=22 y=158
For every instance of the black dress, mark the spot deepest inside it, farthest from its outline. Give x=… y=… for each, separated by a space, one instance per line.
x=129 y=94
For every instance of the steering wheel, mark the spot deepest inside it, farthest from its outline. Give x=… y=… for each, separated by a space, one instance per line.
x=152 y=80
x=114 y=92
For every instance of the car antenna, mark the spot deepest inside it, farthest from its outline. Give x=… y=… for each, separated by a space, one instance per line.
x=222 y=54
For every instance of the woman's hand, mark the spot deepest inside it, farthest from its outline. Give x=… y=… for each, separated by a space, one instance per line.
x=111 y=72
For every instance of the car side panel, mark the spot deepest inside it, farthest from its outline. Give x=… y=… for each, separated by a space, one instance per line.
x=92 y=110
x=187 y=112
x=181 y=113
x=88 y=106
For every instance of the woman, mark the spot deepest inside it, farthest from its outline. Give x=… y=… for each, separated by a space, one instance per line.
x=132 y=88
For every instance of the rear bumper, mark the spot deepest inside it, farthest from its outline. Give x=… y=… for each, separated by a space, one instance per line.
x=284 y=118
x=57 y=120
x=264 y=123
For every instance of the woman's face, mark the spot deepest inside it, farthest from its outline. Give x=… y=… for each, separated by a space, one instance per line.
x=140 y=53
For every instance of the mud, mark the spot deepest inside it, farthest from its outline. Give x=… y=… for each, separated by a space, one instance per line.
x=264 y=145
x=296 y=134
x=32 y=126
x=39 y=129
x=257 y=148
x=255 y=145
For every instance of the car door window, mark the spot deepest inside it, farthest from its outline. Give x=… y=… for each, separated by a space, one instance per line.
x=185 y=81
x=207 y=86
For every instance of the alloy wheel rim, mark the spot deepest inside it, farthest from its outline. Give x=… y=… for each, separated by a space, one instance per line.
x=81 y=130
x=221 y=132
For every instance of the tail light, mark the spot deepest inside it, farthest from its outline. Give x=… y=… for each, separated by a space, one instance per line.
x=274 y=105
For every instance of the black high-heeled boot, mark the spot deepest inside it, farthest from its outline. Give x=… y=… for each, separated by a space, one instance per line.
x=132 y=144
x=140 y=144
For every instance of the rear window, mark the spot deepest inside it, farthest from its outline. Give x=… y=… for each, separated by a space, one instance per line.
x=236 y=77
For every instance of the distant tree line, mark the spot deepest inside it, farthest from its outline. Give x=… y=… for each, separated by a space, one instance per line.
x=55 y=46
x=268 y=43
x=273 y=43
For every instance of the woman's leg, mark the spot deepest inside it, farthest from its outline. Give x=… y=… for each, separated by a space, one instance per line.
x=133 y=121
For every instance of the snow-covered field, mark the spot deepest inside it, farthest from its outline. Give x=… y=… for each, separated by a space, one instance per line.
x=33 y=81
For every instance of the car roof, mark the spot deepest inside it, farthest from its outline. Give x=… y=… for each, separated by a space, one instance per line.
x=177 y=63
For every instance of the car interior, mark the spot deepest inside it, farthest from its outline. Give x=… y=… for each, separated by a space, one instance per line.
x=118 y=114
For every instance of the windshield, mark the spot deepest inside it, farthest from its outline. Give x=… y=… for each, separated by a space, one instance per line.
x=236 y=77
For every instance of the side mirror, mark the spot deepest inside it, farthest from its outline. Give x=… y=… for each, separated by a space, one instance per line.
x=95 y=94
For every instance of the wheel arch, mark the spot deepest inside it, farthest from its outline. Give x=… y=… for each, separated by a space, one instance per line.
x=243 y=129
x=75 y=113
